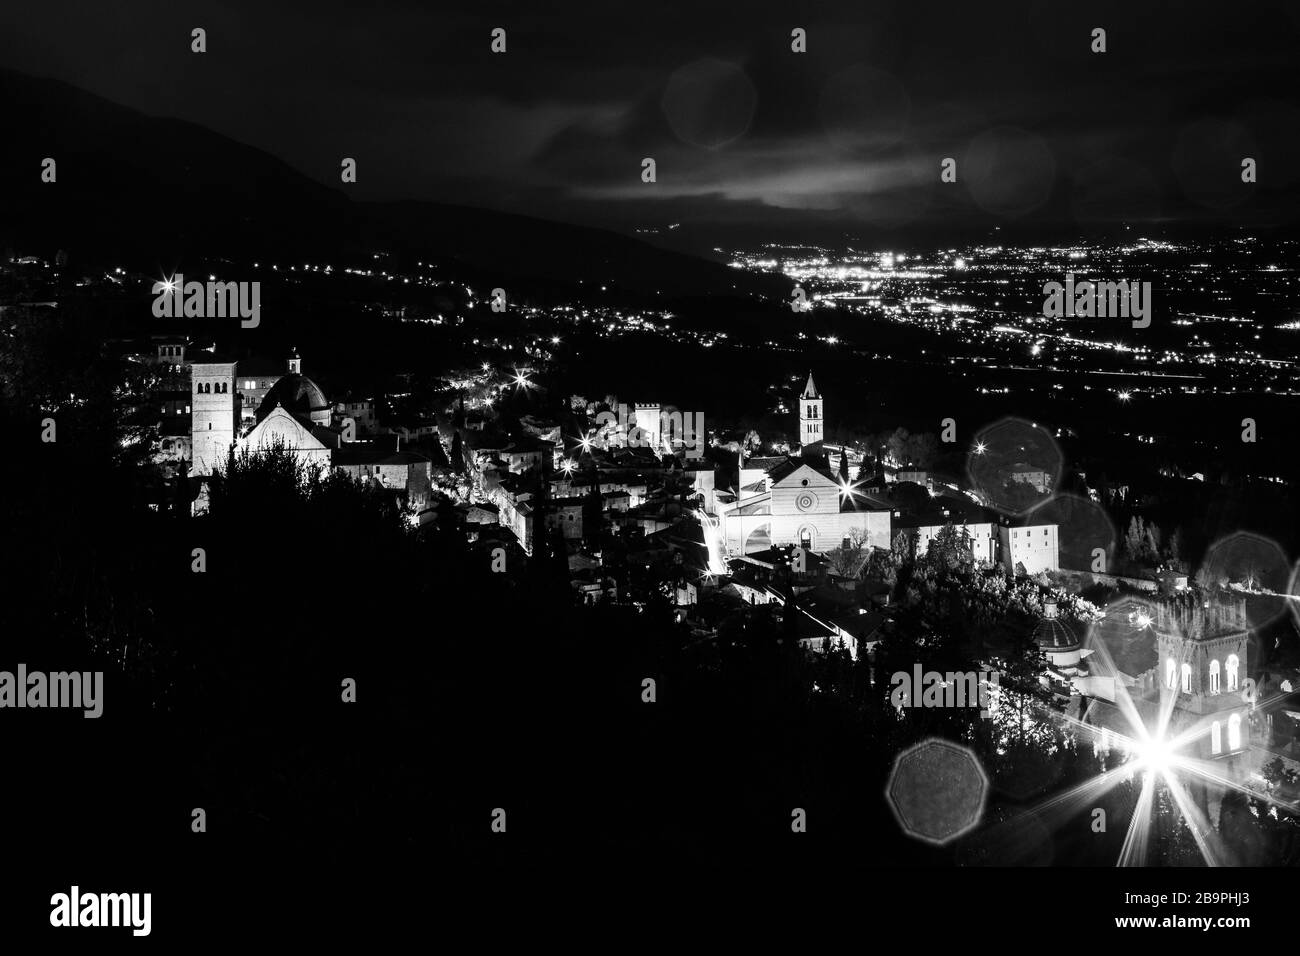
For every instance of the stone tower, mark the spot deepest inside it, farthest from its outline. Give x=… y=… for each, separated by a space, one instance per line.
x=214 y=415
x=1203 y=649
x=648 y=419
x=810 y=415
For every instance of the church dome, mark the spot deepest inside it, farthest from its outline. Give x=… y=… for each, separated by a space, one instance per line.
x=1054 y=634
x=300 y=397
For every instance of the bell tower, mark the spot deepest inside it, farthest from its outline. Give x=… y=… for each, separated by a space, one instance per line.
x=214 y=415
x=1203 y=650
x=810 y=415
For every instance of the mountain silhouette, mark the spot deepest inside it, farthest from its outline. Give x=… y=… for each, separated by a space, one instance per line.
x=155 y=191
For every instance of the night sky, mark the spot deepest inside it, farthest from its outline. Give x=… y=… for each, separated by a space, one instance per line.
x=744 y=132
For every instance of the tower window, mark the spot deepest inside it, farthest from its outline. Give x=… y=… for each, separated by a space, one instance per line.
x=1216 y=738
x=1170 y=672
x=1214 y=676
x=1234 y=732
x=1233 y=665
x=1187 y=678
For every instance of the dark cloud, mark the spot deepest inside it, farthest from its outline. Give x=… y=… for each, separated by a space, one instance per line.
x=741 y=128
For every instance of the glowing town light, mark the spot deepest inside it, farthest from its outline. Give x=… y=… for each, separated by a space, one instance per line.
x=169 y=284
x=959 y=264
x=712 y=529
x=486 y=366
x=1037 y=349
x=555 y=340
x=1125 y=396
x=585 y=443
x=980 y=448
x=567 y=466
x=1155 y=755
x=1142 y=620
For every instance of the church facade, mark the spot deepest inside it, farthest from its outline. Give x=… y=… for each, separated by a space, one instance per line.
x=797 y=501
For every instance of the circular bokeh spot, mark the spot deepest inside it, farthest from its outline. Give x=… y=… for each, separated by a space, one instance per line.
x=1015 y=466
x=1253 y=567
x=1088 y=540
x=709 y=102
x=1123 y=638
x=937 y=790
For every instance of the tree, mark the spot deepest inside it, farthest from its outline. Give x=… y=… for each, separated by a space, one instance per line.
x=922 y=449
x=1151 y=543
x=1134 y=538
x=439 y=454
x=949 y=550
x=904 y=546
x=849 y=559
x=882 y=565
x=896 y=446
x=593 y=513
x=1174 y=550
x=457 y=454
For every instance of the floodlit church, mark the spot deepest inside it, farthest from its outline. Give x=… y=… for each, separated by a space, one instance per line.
x=784 y=501
x=294 y=413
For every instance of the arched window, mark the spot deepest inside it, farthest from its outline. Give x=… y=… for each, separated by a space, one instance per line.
x=1214 y=676
x=1171 y=670
x=1216 y=738
x=1234 y=732
x=1187 y=678
x=1232 y=671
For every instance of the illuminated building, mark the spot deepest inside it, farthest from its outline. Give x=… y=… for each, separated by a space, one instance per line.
x=810 y=414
